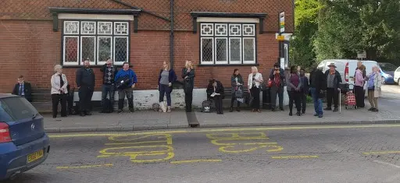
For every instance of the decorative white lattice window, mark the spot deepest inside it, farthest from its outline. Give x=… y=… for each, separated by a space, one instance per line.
x=227 y=43
x=97 y=41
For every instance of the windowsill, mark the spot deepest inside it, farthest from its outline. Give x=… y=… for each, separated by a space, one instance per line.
x=227 y=65
x=91 y=66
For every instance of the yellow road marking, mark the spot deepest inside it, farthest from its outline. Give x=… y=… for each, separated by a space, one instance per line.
x=224 y=130
x=195 y=161
x=135 y=143
x=294 y=157
x=84 y=166
x=381 y=152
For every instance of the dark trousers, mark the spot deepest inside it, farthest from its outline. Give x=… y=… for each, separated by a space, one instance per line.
x=332 y=94
x=295 y=97
x=107 y=90
x=188 y=100
x=233 y=99
x=59 y=98
x=85 y=99
x=128 y=92
x=303 y=101
x=255 y=93
x=165 y=90
x=218 y=104
x=359 y=93
x=274 y=92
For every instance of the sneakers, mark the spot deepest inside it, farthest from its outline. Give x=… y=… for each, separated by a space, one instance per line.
x=328 y=109
x=335 y=110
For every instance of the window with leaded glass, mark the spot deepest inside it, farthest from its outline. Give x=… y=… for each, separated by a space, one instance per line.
x=227 y=43
x=97 y=41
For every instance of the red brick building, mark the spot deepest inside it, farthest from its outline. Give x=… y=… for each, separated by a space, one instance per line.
x=217 y=35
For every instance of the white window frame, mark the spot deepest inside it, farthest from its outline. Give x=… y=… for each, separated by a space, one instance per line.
x=119 y=62
x=207 y=62
x=77 y=51
x=254 y=53
x=230 y=51
x=101 y=62
x=226 y=50
x=94 y=48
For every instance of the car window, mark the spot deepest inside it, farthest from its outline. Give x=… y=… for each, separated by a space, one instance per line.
x=387 y=67
x=15 y=108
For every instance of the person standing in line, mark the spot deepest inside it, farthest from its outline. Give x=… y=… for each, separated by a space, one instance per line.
x=253 y=84
x=277 y=76
x=317 y=87
x=359 y=84
x=165 y=80
x=215 y=90
x=59 y=91
x=109 y=72
x=125 y=80
x=333 y=81
x=304 y=90
x=188 y=83
x=374 y=88
x=85 y=81
x=23 y=89
x=237 y=85
x=294 y=88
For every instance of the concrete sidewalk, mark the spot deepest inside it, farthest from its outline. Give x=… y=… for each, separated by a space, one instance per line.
x=150 y=120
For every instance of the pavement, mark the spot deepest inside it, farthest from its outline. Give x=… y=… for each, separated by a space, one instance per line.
x=150 y=120
x=290 y=154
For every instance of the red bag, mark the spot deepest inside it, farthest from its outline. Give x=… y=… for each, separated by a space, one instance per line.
x=269 y=83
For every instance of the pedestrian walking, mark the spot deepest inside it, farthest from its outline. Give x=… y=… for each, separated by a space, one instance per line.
x=237 y=89
x=294 y=88
x=59 y=91
x=254 y=85
x=165 y=80
x=305 y=87
x=359 y=84
x=108 y=89
x=215 y=91
x=188 y=84
x=277 y=78
x=333 y=83
x=374 y=88
x=125 y=81
x=85 y=80
x=317 y=87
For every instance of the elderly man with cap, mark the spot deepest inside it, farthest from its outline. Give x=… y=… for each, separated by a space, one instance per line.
x=333 y=80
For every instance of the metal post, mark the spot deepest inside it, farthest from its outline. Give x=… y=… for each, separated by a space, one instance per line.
x=172 y=36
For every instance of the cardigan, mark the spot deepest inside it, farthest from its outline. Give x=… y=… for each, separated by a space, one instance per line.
x=258 y=76
x=171 y=78
x=55 y=84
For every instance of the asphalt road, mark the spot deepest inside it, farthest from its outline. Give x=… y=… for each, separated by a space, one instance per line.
x=274 y=154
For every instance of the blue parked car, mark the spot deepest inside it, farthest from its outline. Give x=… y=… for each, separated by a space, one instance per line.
x=23 y=142
x=387 y=71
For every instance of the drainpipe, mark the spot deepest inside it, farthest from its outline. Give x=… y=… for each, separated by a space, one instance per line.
x=172 y=36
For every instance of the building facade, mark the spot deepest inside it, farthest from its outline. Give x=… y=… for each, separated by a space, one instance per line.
x=217 y=35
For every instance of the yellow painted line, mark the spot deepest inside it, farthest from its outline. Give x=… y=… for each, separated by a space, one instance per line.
x=84 y=166
x=294 y=157
x=195 y=161
x=381 y=152
x=225 y=130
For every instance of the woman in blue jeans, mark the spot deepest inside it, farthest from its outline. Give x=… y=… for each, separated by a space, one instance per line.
x=317 y=87
x=165 y=80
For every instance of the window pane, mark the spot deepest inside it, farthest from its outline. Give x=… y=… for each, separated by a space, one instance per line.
x=87 y=46
x=121 y=28
x=70 y=49
x=105 y=28
x=207 y=49
x=121 y=49
x=235 y=48
x=221 y=49
x=249 y=49
x=88 y=27
x=104 y=48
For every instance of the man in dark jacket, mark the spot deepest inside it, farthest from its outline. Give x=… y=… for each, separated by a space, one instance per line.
x=215 y=90
x=333 y=80
x=23 y=89
x=317 y=87
x=109 y=72
x=277 y=77
x=85 y=81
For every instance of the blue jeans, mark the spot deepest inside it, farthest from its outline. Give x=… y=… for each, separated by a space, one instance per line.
x=317 y=102
x=107 y=90
x=165 y=90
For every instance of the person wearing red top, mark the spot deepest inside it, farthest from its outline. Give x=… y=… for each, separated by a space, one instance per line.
x=277 y=76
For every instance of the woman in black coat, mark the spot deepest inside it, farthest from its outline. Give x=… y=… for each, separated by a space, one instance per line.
x=188 y=83
x=237 y=86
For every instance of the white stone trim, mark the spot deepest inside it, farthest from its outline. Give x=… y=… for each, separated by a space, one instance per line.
x=228 y=20
x=73 y=16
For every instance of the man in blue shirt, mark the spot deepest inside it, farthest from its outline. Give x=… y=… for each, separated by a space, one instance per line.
x=125 y=81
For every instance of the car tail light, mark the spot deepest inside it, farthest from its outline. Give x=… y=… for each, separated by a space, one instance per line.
x=4 y=133
x=346 y=72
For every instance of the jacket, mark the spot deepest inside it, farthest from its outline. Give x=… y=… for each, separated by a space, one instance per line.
x=128 y=73
x=318 y=81
x=377 y=84
x=282 y=77
x=171 y=77
x=336 y=81
x=189 y=81
x=27 y=91
x=290 y=86
x=55 y=84
x=114 y=72
x=305 y=85
x=219 y=89
x=258 y=76
x=85 y=78
x=234 y=84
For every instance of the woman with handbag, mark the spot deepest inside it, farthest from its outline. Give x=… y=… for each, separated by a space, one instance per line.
x=254 y=84
x=165 y=80
x=188 y=83
x=294 y=89
x=59 y=91
x=374 y=84
x=237 y=89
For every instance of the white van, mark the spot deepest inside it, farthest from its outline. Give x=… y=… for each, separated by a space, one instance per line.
x=347 y=68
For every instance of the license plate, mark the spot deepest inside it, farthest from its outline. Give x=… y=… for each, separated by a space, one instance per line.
x=35 y=156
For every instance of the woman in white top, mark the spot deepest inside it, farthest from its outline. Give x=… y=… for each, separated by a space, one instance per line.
x=59 y=90
x=374 y=88
x=253 y=84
